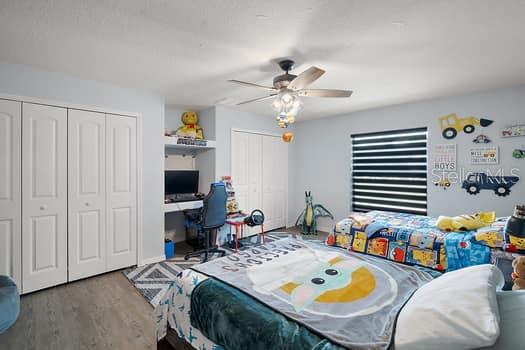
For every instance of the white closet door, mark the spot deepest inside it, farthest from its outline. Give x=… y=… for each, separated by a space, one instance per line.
x=10 y=190
x=281 y=184
x=270 y=174
x=121 y=169
x=240 y=176
x=44 y=196
x=86 y=193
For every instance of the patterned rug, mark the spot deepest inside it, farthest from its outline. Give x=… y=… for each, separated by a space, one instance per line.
x=152 y=281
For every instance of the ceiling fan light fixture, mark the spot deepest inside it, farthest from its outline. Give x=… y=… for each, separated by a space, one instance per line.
x=287 y=106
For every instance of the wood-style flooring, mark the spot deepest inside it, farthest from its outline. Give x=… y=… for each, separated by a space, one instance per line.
x=101 y=312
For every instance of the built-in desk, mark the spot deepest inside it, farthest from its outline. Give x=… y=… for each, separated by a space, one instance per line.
x=180 y=206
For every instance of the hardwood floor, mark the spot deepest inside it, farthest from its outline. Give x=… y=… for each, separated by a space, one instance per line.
x=102 y=312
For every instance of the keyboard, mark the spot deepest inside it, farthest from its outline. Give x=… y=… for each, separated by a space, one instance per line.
x=185 y=197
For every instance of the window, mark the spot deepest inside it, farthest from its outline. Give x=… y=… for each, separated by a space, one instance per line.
x=389 y=171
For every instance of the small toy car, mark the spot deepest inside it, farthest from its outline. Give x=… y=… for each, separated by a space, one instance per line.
x=518 y=153
x=482 y=139
x=445 y=183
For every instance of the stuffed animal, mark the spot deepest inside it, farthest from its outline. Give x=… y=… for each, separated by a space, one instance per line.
x=518 y=274
x=191 y=128
x=465 y=222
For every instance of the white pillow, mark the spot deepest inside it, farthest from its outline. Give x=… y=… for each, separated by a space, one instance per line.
x=458 y=310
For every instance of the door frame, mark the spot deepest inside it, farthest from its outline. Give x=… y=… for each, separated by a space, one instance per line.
x=140 y=156
x=264 y=133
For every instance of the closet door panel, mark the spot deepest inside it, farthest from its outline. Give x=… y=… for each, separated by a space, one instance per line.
x=121 y=197
x=86 y=193
x=44 y=196
x=281 y=184
x=10 y=190
x=240 y=176
x=269 y=177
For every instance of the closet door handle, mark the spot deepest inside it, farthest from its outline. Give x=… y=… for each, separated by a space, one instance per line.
x=43 y=207
x=87 y=204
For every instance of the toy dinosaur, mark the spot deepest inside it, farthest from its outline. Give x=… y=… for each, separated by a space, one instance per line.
x=308 y=218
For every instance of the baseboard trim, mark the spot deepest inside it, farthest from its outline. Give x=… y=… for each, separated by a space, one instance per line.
x=153 y=260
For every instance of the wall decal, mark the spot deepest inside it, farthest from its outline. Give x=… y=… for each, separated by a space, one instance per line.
x=482 y=139
x=513 y=131
x=501 y=185
x=451 y=124
x=445 y=183
x=445 y=157
x=519 y=153
x=484 y=155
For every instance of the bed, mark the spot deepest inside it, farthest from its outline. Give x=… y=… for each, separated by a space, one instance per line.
x=415 y=240
x=213 y=304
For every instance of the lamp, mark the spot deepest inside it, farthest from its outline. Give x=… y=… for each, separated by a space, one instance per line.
x=287 y=105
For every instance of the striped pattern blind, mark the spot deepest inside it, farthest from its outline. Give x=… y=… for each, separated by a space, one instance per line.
x=389 y=171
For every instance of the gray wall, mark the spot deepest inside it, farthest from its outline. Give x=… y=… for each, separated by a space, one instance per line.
x=33 y=82
x=320 y=153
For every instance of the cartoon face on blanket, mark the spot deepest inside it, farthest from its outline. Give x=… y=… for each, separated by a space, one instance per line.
x=328 y=283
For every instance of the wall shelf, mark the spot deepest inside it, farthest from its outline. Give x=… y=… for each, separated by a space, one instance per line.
x=171 y=143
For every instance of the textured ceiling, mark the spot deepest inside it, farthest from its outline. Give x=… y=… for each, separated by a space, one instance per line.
x=386 y=51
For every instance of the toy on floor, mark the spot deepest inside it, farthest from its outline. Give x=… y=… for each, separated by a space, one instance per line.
x=190 y=127
x=518 y=273
x=308 y=218
x=515 y=230
x=465 y=222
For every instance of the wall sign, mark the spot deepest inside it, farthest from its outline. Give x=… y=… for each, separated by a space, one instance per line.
x=445 y=157
x=484 y=155
x=513 y=131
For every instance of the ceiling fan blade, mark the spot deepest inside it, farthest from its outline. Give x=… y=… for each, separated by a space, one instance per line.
x=256 y=99
x=306 y=78
x=245 y=83
x=324 y=93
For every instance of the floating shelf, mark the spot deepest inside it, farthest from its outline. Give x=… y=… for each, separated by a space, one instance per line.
x=171 y=143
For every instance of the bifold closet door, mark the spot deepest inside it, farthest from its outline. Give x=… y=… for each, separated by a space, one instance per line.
x=10 y=190
x=86 y=193
x=44 y=196
x=121 y=184
x=274 y=181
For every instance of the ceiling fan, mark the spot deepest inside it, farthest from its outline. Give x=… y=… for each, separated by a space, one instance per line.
x=294 y=85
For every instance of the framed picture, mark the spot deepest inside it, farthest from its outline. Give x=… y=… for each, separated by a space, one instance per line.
x=445 y=157
x=484 y=155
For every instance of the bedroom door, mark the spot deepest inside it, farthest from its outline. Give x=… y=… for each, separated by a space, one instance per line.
x=121 y=199
x=10 y=190
x=44 y=196
x=86 y=193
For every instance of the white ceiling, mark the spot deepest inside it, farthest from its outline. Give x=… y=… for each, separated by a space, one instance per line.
x=386 y=51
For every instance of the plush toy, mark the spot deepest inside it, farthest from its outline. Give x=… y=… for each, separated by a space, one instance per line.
x=518 y=273
x=191 y=128
x=465 y=222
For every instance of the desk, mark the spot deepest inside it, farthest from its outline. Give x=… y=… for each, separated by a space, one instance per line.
x=180 y=206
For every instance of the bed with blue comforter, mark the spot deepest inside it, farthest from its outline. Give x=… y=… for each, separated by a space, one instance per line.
x=415 y=240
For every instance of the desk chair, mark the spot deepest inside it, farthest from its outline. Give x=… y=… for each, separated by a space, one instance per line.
x=211 y=216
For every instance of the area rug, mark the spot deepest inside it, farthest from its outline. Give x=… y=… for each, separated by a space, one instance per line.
x=152 y=281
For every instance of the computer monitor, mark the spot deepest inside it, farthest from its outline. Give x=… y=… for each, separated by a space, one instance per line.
x=181 y=182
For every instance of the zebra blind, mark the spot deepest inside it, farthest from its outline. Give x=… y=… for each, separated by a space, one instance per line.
x=389 y=171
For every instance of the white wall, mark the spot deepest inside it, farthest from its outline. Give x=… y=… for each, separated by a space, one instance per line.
x=33 y=82
x=320 y=153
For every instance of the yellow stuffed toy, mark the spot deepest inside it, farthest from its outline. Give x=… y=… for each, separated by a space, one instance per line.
x=465 y=222
x=191 y=128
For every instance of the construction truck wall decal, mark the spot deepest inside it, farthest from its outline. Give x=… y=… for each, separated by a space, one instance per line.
x=451 y=124
x=501 y=185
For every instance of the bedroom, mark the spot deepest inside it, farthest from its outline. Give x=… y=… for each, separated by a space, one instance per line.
x=104 y=190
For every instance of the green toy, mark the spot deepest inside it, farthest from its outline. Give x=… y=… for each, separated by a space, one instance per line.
x=308 y=218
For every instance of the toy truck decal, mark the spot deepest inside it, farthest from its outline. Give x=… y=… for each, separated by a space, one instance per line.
x=501 y=185
x=451 y=124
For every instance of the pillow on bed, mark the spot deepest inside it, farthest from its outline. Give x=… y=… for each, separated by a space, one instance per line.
x=458 y=310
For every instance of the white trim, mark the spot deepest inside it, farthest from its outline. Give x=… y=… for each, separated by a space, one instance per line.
x=140 y=190
x=62 y=104
x=153 y=260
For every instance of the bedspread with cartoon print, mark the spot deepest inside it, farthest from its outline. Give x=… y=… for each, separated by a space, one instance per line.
x=415 y=240
x=350 y=299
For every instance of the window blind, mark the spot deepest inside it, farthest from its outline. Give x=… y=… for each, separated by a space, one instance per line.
x=389 y=171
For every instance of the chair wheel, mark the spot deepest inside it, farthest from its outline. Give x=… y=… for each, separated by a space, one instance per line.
x=186 y=257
